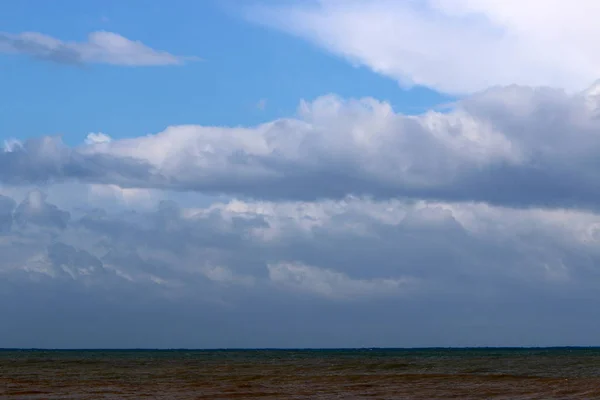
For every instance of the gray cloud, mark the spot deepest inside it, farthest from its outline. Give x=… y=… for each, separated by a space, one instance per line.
x=47 y=159
x=35 y=210
x=513 y=146
x=298 y=274
x=6 y=209
x=100 y=48
x=75 y=263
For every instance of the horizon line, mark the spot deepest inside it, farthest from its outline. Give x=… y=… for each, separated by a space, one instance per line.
x=296 y=348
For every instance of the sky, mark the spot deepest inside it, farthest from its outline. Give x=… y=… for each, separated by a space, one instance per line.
x=282 y=173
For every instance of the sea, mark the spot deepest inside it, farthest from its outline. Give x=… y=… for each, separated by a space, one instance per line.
x=476 y=373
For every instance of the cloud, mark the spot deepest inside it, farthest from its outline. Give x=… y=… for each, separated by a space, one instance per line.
x=225 y=275
x=329 y=283
x=47 y=159
x=262 y=273
x=6 y=213
x=96 y=138
x=35 y=210
x=513 y=146
x=454 y=46
x=100 y=48
x=75 y=263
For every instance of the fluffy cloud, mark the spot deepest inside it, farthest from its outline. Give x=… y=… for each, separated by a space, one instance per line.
x=454 y=46
x=100 y=48
x=346 y=272
x=515 y=146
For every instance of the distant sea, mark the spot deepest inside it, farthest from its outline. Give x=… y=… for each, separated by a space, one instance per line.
x=478 y=373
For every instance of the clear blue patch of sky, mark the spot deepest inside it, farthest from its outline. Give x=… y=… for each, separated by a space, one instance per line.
x=242 y=65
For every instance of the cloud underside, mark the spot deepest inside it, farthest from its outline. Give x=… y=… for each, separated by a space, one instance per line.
x=514 y=146
x=100 y=48
x=454 y=46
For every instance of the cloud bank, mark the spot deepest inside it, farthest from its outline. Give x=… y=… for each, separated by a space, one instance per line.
x=350 y=225
x=351 y=272
x=100 y=48
x=454 y=46
x=510 y=146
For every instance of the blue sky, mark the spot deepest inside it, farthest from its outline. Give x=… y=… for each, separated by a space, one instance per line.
x=243 y=65
x=299 y=174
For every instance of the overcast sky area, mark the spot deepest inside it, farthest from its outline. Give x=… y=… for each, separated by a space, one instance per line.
x=282 y=173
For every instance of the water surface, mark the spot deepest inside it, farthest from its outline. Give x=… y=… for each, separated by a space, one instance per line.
x=557 y=373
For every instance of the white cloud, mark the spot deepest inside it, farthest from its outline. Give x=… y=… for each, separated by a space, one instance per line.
x=101 y=48
x=516 y=146
x=454 y=46
x=97 y=138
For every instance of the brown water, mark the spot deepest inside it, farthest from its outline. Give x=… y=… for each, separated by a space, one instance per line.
x=302 y=374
